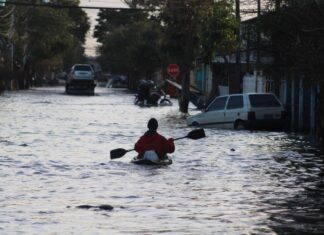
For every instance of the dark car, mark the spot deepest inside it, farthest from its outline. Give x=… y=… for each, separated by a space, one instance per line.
x=117 y=82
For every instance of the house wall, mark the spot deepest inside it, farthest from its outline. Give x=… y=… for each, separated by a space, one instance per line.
x=299 y=97
x=203 y=79
x=199 y=78
x=293 y=90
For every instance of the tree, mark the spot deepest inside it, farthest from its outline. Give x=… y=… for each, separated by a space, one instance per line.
x=110 y=20
x=47 y=36
x=130 y=42
x=180 y=22
x=216 y=33
x=132 y=50
x=182 y=29
x=80 y=20
x=197 y=29
x=5 y=23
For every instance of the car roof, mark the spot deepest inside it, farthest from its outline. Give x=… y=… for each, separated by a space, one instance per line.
x=251 y=93
x=81 y=65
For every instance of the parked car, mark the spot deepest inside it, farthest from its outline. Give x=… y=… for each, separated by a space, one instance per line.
x=80 y=80
x=242 y=111
x=117 y=82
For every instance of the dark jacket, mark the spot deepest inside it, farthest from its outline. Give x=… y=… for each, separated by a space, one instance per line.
x=152 y=140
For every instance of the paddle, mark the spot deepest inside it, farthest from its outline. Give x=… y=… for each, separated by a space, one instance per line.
x=194 y=135
x=117 y=153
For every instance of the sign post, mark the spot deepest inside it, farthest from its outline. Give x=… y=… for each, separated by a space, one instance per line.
x=173 y=70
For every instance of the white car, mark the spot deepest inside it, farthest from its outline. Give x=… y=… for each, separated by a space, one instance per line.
x=242 y=111
x=80 y=80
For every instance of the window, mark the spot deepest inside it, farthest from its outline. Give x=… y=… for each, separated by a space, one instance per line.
x=263 y=100
x=218 y=104
x=82 y=68
x=235 y=102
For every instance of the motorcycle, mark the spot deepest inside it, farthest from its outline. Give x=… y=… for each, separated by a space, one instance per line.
x=146 y=97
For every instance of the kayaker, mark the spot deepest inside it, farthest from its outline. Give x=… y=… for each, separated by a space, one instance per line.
x=153 y=146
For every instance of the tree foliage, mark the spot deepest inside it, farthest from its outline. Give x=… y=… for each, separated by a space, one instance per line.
x=187 y=28
x=45 y=35
x=297 y=30
x=130 y=41
x=49 y=28
x=110 y=20
x=155 y=33
x=132 y=49
x=217 y=29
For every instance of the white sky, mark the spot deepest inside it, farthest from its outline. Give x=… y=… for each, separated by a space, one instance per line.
x=91 y=43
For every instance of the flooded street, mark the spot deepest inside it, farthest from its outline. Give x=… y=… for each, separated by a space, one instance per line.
x=54 y=157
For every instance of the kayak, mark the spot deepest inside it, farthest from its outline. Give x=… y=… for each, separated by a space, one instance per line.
x=164 y=162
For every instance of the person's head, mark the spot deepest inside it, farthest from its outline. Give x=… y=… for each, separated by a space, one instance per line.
x=152 y=124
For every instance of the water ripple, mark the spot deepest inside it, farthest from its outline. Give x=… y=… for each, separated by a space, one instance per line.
x=54 y=156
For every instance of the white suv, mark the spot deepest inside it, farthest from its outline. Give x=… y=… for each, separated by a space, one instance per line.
x=242 y=111
x=80 y=80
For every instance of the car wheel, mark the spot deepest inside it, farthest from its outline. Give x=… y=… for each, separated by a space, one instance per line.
x=239 y=125
x=67 y=89
x=195 y=123
x=165 y=102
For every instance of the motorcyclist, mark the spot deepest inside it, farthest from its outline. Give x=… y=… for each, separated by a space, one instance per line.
x=143 y=90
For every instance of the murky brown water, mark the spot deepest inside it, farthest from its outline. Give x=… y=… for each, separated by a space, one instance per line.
x=54 y=156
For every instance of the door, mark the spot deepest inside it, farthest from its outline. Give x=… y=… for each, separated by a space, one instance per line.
x=214 y=114
x=234 y=110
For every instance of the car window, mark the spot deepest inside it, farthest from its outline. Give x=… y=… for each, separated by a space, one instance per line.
x=235 y=102
x=263 y=100
x=218 y=104
x=82 y=68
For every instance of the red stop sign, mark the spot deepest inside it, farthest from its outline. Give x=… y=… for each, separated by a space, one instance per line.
x=173 y=70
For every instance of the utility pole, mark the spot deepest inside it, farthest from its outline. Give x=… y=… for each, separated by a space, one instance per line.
x=11 y=34
x=14 y=82
x=185 y=25
x=233 y=88
x=258 y=34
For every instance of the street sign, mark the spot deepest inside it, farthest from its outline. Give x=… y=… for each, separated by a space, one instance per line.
x=173 y=70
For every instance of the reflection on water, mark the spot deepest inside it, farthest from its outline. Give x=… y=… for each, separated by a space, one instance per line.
x=54 y=160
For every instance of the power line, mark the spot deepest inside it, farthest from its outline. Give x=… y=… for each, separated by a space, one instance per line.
x=248 y=6
x=55 y=5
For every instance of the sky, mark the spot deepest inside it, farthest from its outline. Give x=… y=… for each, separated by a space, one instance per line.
x=91 y=43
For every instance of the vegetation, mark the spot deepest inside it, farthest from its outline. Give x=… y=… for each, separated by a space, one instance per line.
x=129 y=43
x=297 y=32
x=43 y=38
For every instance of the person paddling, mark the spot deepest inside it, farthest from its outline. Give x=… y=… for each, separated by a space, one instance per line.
x=153 y=146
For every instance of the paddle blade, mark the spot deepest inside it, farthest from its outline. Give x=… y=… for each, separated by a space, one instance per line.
x=117 y=153
x=196 y=134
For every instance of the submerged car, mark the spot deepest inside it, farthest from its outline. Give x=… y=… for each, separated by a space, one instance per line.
x=242 y=111
x=81 y=80
x=117 y=82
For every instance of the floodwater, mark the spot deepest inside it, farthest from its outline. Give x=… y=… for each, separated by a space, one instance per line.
x=54 y=158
